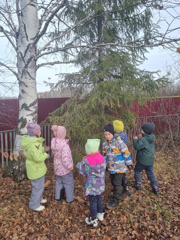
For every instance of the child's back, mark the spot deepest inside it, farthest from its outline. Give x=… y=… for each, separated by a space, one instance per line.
x=62 y=156
x=144 y=144
x=119 y=130
x=63 y=164
x=93 y=167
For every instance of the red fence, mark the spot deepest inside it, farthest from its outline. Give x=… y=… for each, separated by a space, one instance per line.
x=157 y=107
x=9 y=109
x=164 y=112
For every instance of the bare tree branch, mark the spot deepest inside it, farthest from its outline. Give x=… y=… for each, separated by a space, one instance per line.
x=49 y=20
x=53 y=63
x=9 y=68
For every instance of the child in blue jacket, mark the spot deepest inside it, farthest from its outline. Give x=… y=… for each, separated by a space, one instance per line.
x=117 y=158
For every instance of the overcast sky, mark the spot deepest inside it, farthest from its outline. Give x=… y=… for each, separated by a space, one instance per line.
x=157 y=59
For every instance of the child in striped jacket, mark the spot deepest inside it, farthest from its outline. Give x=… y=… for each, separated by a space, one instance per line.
x=117 y=158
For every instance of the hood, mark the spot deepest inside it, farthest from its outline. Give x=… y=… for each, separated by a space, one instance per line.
x=95 y=159
x=150 y=138
x=28 y=141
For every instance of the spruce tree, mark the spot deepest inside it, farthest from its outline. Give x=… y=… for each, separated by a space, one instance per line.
x=112 y=41
x=112 y=46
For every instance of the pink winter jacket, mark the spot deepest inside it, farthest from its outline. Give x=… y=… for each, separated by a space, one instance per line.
x=62 y=156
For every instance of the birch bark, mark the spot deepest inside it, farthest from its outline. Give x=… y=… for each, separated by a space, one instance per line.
x=26 y=65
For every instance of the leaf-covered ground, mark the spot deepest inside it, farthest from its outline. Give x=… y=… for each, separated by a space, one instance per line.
x=140 y=216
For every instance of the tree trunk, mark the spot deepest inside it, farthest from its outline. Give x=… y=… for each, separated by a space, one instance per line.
x=26 y=64
x=100 y=37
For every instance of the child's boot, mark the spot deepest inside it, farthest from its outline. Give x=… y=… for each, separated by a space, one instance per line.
x=137 y=185
x=92 y=222
x=156 y=190
x=127 y=192
x=100 y=216
x=113 y=203
x=39 y=209
x=43 y=201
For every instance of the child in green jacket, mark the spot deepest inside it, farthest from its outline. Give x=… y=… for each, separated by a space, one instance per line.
x=144 y=144
x=35 y=164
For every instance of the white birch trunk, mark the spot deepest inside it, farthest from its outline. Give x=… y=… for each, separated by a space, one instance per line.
x=26 y=64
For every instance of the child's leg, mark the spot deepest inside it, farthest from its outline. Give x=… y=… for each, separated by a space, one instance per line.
x=92 y=220
x=116 y=179
x=126 y=192
x=68 y=183
x=151 y=177
x=37 y=192
x=117 y=183
x=58 y=187
x=137 y=174
x=100 y=208
x=124 y=181
x=93 y=205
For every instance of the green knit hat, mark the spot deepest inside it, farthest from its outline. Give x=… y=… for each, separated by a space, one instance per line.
x=92 y=145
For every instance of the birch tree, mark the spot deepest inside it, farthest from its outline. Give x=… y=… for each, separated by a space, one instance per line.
x=32 y=29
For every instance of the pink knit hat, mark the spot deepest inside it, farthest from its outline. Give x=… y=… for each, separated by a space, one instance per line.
x=33 y=129
x=59 y=131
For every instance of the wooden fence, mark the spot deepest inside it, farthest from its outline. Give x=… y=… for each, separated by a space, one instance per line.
x=8 y=138
x=166 y=126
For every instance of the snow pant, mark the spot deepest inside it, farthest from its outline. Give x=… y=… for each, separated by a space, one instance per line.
x=116 y=181
x=37 y=192
x=67 y=182
x=96 y=205
x=149 y=172
x=124 y=181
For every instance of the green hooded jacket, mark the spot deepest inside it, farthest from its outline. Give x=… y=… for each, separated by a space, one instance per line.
x=145 y=149
x=35 y=156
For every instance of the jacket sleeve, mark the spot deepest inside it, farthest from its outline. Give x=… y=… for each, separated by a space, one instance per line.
x=138 y=144
x=67 y=157
x=83 y=168
x=38 y=154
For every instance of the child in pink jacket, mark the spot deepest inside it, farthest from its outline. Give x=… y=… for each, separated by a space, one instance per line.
x=63 y=164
